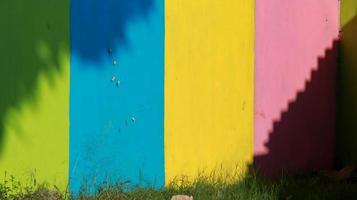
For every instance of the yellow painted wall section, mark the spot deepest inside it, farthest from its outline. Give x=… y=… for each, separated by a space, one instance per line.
x=348 y=11
x=209 y=83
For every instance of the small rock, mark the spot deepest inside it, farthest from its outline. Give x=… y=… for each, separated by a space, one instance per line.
x=182 y=197
x=339 y=175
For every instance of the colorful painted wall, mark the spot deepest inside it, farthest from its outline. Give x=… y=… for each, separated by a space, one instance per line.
x=117 y=92
x=209 y=69
x=146 y=91
x=347 y=82
x=295 y=77
x=34 y=90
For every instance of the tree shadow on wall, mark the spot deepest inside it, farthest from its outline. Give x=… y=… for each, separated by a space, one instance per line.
x=347 y=96
x=304 y=137
x=34 y=34
x=98 y=25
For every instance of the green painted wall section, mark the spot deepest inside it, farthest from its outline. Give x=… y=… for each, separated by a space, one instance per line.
x=347 y=89
x=34 y=88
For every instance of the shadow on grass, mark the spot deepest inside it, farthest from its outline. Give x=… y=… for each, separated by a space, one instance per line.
x=248 y=186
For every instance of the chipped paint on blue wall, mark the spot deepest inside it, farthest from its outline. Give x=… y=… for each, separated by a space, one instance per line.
x=117 y=93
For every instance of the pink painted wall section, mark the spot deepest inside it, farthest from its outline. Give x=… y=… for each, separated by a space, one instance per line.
x=296 y=59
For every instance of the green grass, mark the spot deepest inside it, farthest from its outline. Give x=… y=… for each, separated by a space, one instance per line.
x=248 y=187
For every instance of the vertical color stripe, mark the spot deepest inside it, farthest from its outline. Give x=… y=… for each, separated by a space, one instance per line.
x=209 y=57
x=116 y=131
x=34 y=89
x=347 y=85
x=296 y=60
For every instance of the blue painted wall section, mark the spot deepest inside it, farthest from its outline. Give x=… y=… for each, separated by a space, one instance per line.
x=117 y=92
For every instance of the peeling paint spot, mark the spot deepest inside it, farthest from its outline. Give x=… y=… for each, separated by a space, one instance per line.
x=110 y=51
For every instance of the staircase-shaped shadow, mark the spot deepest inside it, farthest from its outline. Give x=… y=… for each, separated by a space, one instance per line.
x=347 y=95
x=304 y=137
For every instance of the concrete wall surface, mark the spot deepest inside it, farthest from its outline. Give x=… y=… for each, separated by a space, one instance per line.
x=295 y=77
x=143 y=92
